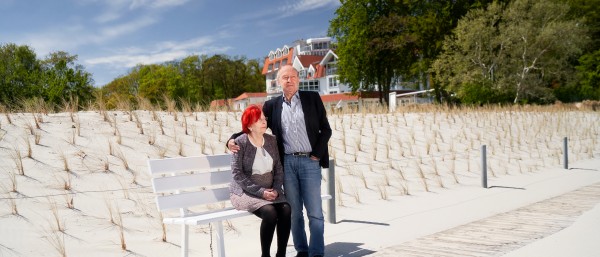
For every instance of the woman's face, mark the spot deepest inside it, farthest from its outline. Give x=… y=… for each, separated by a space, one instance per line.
x=260 y=126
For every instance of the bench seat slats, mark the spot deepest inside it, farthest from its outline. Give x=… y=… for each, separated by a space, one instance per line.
x=172 y=183
x=207 y=217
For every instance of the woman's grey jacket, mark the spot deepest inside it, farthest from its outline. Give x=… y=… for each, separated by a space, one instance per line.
x=241 y=167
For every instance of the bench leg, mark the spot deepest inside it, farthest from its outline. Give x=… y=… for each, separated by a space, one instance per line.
x=220 y=239
x=185 y=240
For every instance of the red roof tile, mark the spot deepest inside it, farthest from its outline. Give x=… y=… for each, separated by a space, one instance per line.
x=337 y=97
x=307 y=60
x=220 y=102
x=250 y=95
x=267 y=61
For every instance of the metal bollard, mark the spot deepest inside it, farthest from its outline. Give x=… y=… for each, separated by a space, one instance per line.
x=566 y=153
x=483 y=167
x=331 y=190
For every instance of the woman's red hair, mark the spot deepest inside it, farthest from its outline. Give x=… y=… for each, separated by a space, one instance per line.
x=250 y=116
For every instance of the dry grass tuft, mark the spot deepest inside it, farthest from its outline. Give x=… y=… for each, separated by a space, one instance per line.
x=37 y=137
x=57 y=240
x=163 y=226
x=119 y=154
x=58 y=223
x=17 y=158
x=65 y=161
x=121 y=229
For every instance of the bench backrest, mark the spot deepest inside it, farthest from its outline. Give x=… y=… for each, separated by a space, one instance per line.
x=184 y=182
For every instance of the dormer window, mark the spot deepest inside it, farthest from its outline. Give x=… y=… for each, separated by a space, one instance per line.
x=302 y=74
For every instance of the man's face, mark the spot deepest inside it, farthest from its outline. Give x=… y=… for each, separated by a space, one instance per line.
x=288 y=80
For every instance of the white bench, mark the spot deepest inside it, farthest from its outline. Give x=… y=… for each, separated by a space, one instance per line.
x=200 y=182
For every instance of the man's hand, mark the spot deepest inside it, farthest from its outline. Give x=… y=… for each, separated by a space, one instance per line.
x=232 y=146
x=314 y=158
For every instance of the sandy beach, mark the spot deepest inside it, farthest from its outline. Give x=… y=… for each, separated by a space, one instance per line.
x=77 y=184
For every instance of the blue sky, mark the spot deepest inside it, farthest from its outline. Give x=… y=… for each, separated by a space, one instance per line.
x=112 y=36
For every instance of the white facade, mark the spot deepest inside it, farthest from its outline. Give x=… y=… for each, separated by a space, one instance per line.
x=316 y=64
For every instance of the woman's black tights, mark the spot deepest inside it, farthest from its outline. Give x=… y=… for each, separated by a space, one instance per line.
x=274 y=215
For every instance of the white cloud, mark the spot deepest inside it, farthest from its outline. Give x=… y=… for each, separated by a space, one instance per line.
x=297 y=7
x=135 y=4
x=70 y=38
x=162 y=52
x=167 y=3
x=125 y=28
x=128 y=61
x=115 y=9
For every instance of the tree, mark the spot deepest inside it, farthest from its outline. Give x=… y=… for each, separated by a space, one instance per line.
x=64 y=79
x=514 y=50
x=121 y=89
x=256 y=80
x=589 y=76
x=20 y=73
x=364 y=58
x=156 y=81
x=379 y=40
x=586 y=85
x=196 y=79
x=192 y=79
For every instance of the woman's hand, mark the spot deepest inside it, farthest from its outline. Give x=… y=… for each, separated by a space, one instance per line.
x=270 y=195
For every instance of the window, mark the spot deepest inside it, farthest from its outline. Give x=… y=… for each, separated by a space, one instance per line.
x=277 y=65
x=333 y=92
x=310 y=85
x=270 y=67
x=302 y=74
x=284 y=62
x=286 y=50
x=320 y=45
x=333 y=82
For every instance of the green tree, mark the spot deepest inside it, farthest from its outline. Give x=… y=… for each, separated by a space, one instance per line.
x=379 y=41
x=523 y=49
x=121 y=89
x=20 y=74
x=256 y=80
x=197 y=79
x=589 y=76
x=191 y=75
x=586 y=84
x=155 y=81
x=64 y=79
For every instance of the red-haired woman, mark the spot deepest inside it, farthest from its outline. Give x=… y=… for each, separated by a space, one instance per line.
x=257 y=184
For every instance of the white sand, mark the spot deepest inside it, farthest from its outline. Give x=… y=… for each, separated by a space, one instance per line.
x=524 y=151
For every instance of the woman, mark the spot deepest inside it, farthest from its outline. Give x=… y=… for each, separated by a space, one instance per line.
x=257 y=184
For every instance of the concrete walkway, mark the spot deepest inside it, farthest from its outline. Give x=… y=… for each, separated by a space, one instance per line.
x=505 y=232
x=515 y=216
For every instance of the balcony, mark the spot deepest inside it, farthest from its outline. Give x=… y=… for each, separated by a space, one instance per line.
x=331 y=71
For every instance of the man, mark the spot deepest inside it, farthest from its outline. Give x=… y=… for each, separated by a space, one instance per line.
x=299 y=121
